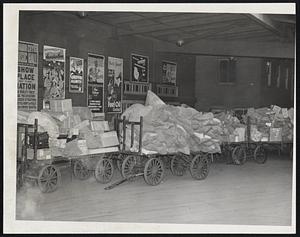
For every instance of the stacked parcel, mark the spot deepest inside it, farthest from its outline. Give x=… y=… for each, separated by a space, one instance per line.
x=271 y=124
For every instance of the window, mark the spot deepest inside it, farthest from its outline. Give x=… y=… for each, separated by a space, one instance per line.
x=287 y=78
x=269 y=73
x=278 y=76
x=227 y=70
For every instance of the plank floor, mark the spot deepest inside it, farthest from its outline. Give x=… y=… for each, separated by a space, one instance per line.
x=251 y=194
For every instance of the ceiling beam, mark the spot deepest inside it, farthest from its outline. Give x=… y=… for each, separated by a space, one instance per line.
x=267 y=23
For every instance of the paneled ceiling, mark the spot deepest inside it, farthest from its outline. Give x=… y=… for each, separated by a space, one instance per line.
x=190 y=27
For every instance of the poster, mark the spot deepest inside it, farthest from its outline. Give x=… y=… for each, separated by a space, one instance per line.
x=114 y=85
x=95 y=77
x=139 y=68
x=27 y=76
x=54 y=72
x=95 y=72
x=76 y=78
x=95 y=99
x=169 y=73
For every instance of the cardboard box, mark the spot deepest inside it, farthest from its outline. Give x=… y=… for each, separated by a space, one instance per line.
x=240 y=133
x=83 y=124
x=285 y=112
x=61 y=105
x=109 y=139
x=82 y=146
x=42 y=154
x=99 y=125
x=275 y=134
x=276 y=109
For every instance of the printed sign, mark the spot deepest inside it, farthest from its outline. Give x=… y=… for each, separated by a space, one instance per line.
x=95 y=72
x=169 y=73
x=95 y=99
x=95 y=75
x=54 y=72
x=76 y=79
x=139 y=68
x=114 y=85
x=27 y=76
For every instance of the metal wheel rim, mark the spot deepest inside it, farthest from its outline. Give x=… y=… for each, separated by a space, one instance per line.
x=199 y=167
x=104 y=170
x=154 y=171
x=260 y=155
x=239 y=155
x=80 y=170
x=177 y=166
x=128 y=166
x=49 y=179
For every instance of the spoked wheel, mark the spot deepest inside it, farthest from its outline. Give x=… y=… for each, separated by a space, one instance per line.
x=128 y=166
x=80 y=170
x=239 y=155
x=178 y=166
x=104 y=170
x=260 y=155
x=154 y=171
x=199 y=167
x=49 y=179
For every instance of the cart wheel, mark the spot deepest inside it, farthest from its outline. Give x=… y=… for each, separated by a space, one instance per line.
x=178 y=166
x=104 y=170
x=128 y=166
x=239 y=155
x=199 y=167
x=260 y=155
x=49 y=179
x=80 y=170
x=154 y=171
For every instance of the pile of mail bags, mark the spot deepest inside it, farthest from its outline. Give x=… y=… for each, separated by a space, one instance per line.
x=171 y=129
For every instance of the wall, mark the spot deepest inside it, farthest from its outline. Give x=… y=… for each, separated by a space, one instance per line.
x=232 y=47
x=185 y=75
x=279 y=95
x=80 y=37
x=249 y=90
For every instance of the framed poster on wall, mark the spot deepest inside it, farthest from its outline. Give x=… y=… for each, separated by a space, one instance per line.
x=54 y=72
x=95 y=99
x=76 y=77
x=139 y=68
x=95 y=73
x=27 y=76
x=114 y=85
x=169 y=73
x=95 y=82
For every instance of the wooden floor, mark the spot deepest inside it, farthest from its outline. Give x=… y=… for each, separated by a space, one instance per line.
x=251 y=194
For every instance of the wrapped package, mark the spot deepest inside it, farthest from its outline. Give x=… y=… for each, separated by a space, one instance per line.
x=22 y=116
x=75 y=147
x=275 y=134
x=42 y=154
x=153 y=100
x=109 y=139
x=83 y=112
x=45 y=123
x=99 y=125
x=61 y=105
